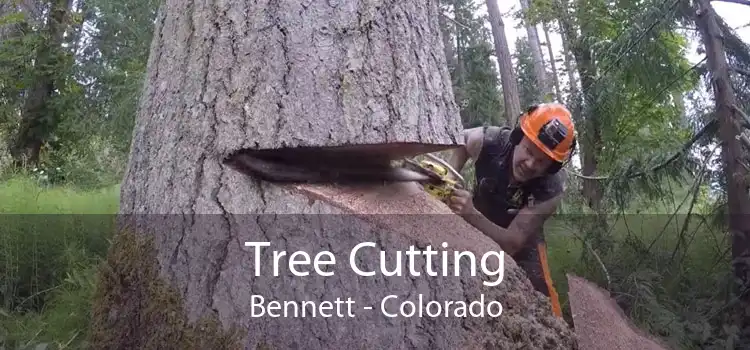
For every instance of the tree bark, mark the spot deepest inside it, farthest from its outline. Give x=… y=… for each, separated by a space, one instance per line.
x=738 y=201
x=368 y=75
x=553 y=64
x=293 y=74
x=536 y=54
x=508 y=80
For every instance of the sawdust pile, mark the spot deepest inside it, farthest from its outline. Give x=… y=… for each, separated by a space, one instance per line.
x=527 y=320
x=600 y=323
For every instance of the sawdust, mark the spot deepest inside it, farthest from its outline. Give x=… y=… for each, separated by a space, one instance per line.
x=599 y=321
x=528 y=321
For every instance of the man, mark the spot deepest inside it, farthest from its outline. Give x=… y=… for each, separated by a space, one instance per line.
x=513 y=165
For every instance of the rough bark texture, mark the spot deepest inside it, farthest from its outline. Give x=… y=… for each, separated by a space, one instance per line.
x=226 y=285
x=235 y=75
x=290 y=73
x=600 y=323
x=738 y=201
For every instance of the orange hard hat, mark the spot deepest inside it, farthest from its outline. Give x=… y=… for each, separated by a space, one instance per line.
x=550 y=127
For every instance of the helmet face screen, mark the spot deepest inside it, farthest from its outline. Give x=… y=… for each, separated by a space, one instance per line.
x=552 y=134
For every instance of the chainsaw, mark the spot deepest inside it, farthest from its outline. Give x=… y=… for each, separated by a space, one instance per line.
x=440 y=185
x=333 y=166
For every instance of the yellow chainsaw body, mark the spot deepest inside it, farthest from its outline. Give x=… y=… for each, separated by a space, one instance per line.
x=443 y=190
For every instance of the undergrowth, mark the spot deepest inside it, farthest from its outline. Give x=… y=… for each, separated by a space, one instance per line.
x=51 y=240
x=670 y=275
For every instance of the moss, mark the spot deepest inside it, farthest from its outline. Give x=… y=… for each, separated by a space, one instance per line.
x=135 y=308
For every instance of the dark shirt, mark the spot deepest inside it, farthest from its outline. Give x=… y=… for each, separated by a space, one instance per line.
x=494 y=196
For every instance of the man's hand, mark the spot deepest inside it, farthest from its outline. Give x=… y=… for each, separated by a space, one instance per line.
x=460 y=202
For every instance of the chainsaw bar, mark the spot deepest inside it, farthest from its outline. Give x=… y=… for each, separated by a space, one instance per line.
x=412 y=165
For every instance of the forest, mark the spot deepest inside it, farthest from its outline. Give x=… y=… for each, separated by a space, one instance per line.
x=655 y=199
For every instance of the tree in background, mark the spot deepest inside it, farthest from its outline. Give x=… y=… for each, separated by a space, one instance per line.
x=469 y=54
x=529 y=90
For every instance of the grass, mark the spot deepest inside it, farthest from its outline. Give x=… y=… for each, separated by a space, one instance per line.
x=50 y=242
x=53 y=237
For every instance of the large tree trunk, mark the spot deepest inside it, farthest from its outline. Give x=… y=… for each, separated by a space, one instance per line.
x=294 y=75
x=511 y=97
x=536 y=54
x=732 y=153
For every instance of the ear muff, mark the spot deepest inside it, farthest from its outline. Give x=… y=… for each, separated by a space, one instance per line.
x=556 y=166
x=516 y=135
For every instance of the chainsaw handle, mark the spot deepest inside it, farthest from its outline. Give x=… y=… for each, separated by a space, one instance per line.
x=447 y=166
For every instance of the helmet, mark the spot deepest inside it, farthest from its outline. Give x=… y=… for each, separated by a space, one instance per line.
x=550 y=127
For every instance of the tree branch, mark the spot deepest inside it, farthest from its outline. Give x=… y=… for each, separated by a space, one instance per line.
x=740 y=70
x=707 y=129
x=453 y=20
x=741 y=2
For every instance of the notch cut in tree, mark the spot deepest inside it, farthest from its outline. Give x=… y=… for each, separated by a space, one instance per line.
x=235 y=77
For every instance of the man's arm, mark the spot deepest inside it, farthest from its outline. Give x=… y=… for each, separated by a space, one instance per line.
x=473 y=139
x=528 y=221
x=547 y=196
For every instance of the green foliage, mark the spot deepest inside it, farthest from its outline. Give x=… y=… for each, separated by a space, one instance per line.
x=116 y=62
x=16 y=71
x=528 y=87
x=482 y=104
x=47 y=261
x=475 y=79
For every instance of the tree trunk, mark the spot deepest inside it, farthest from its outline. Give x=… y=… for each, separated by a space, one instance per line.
x=590 y=140
x=38 y=117
x=570 y=68
x=553 y=64
x=179 y=274
x=508 y=80
x=536 y=54
x=450 y=58
x=589 y=132
x=568 y=60
x=738 y=201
